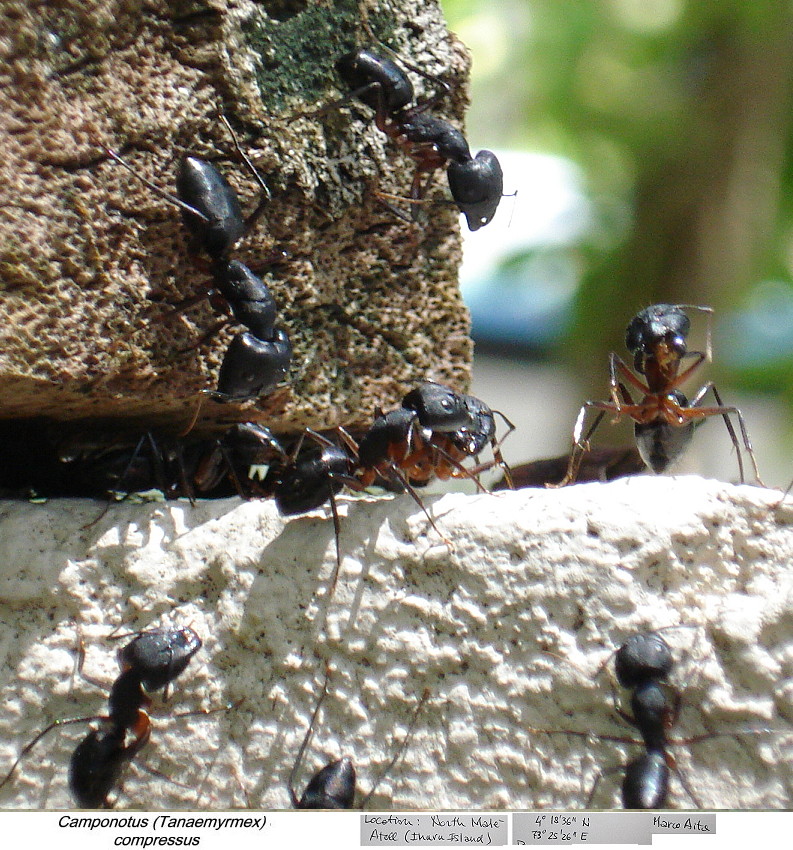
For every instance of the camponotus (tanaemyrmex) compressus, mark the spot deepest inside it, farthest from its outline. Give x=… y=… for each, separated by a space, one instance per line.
x=150 y=662
x=300 y=480
x=258 y=359
x=334 y=785
x=476 y=182
x=664 y=419
x=433 y=432
x=643 y=664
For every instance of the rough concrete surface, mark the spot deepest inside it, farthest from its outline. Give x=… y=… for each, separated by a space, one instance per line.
x=92 y=262
x=507 y=627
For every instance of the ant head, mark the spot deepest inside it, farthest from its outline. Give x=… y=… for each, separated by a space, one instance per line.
x=156 y=657
x=333 y=787
x=252 y=444
x=479 y=431
x=438 y=407
x=477 y=186
x=661 y=324
x=252 y=367
x=642 y=657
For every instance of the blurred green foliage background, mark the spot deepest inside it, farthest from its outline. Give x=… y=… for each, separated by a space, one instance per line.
x=678 y=113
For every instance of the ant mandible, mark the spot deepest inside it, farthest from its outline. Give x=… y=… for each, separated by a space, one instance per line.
x=150 y=662
x=664 y=419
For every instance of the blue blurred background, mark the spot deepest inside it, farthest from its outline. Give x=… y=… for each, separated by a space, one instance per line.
x=651 y=146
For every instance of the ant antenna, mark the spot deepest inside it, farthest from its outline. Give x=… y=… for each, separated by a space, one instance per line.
x=309 y=733
x=156 y=189
x=400 y=749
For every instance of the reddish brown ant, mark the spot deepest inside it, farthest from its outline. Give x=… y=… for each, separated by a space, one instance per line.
x=664 y=419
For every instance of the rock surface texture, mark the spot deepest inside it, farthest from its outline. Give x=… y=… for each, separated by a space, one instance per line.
x=507 y=627
x=92 y=262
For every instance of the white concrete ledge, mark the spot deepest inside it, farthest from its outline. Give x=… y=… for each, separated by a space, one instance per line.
x=507 y=628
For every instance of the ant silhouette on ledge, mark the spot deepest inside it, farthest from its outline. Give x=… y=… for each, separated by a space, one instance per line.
x=334 y=785
x=150 y=662
x=664 y=419
x=258 y=359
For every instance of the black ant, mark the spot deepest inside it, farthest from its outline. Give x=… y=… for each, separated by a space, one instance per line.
x=434 y=431
x=175 y=466
x=306 y=478
x=334 y=785
x=642 y=665
x=150 y=662
x=476 y=183
x=664 y=419
x=257 y=360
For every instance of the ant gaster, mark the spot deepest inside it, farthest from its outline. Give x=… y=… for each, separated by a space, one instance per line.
x=152 y=660
x=306 y=479
x=664 y=419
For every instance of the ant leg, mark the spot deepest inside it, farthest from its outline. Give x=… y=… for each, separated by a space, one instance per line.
x=499 y=459
x=617 y=365
x=232 y=472
x=265 y=196
x=203 y=712
x=402 y=479
x=579 y=448
x=54 y=725
x=135 y=455
x=695 y=411
x=463 y=471
x=686 y=373
x=337 y=532
x=187 y=487
x=383 y=198
x=342 y=101
x=205 y=337
x=418 y=190
x=400 y=749
x=600 y=775
x=683 y=781
x=81 y=662
x=495 y=447
x=349 y=441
